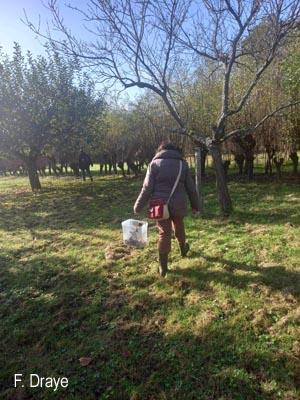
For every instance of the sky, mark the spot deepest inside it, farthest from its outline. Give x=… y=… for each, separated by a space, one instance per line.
x=13 y=30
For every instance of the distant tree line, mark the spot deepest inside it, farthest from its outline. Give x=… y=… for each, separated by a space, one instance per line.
x=209 y=62
x=225 y=89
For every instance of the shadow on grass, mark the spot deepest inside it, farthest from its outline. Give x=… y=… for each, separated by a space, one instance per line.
x=275 y=277
x=56 y=310
x=90 y=205
x=81 y=205
x=265 y=202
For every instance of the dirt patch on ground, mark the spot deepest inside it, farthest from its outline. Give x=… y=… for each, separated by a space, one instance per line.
x=117 y=251
x=255 y=230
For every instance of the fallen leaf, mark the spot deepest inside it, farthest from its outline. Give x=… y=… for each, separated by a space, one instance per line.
x=84 y=361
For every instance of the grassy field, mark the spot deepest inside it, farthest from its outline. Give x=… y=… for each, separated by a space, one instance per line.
x=224 y=324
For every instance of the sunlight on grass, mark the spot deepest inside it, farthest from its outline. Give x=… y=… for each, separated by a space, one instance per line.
x=224 y=324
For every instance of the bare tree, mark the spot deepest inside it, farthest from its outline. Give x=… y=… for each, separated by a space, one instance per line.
x=127 y=47
x=144 y=44
x=238 y=34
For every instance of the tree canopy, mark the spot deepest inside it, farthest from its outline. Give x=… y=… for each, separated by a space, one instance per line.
x=45 y=104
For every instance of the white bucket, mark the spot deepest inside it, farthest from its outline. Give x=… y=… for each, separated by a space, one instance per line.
x=135 y=233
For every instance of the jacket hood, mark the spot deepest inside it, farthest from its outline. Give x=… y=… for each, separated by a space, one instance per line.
x=168 y=154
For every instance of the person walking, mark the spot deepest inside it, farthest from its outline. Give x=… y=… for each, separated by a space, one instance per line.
x=84 y=162
x=160 y=178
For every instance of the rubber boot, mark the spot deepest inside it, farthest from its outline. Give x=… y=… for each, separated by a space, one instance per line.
x=184 y=249
x=163 y=264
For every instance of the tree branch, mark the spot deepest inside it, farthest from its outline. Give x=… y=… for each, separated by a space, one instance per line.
x=253 y=128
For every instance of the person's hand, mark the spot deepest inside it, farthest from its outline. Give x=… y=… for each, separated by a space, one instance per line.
x=196 y=213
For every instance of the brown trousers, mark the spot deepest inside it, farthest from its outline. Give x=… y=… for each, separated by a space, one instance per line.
x=165 y=233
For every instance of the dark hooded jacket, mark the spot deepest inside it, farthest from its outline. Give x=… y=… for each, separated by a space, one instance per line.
x=160 y=178
x=84 y=161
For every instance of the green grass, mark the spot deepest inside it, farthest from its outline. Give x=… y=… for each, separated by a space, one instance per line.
x=225 y=324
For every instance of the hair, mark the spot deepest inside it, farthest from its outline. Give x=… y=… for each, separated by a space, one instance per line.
x=165 y=145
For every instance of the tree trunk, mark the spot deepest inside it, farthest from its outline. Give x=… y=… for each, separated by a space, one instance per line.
x=239 y=159
x=198 y=175
x=33 y=174
x=278 y=165
x=294 y=157
x=131 y=166
x=268 y=167
x=226 y=164
x=203 y=154
x=224 y=197
x=249 y=167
